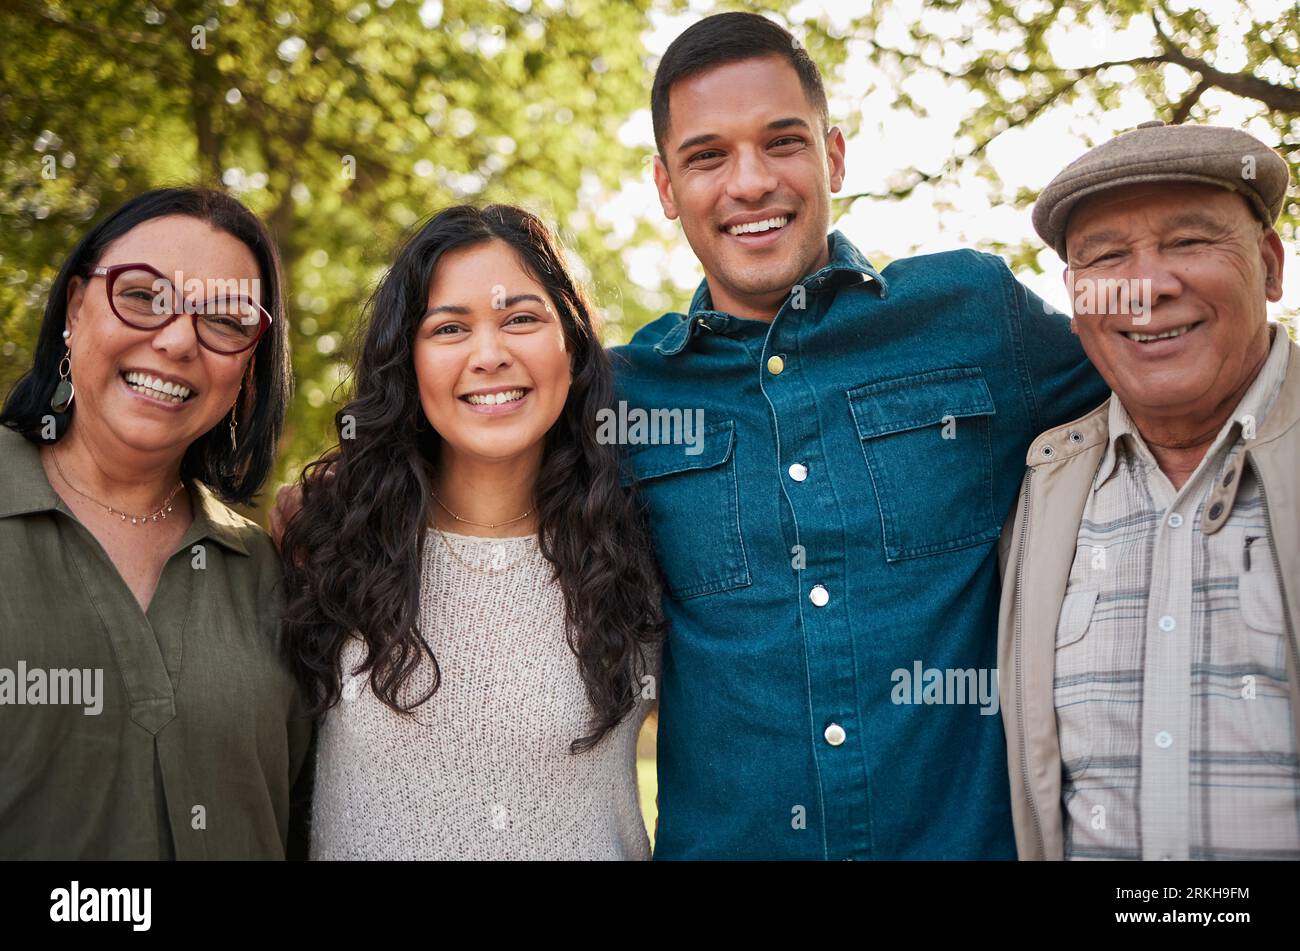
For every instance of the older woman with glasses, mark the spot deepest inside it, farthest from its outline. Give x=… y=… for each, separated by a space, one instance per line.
x=146 y=710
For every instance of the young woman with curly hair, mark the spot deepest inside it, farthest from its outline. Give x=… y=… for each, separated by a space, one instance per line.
x=473 y=599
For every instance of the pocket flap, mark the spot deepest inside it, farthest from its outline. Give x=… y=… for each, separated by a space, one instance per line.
x=1076 y=614
x=1259 y=599
x=924 y=399
x=651 y=462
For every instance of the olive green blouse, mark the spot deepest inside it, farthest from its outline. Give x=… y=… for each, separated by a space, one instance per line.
x=198 y=743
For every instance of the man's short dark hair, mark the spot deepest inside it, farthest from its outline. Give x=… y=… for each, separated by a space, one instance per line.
x=729 y=38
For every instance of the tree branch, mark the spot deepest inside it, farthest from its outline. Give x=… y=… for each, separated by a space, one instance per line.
x=1245 y=85
x=1184 y=107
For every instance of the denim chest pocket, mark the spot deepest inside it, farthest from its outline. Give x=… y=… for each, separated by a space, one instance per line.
x=927 y=443
x=694 y=511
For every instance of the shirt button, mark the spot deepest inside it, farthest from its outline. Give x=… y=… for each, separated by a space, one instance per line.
x=819 y=596
x=834 y=734
x=775 y=365
x=1167 y=623
x=1164 y=740
x=1175 y=520
x=798 y=472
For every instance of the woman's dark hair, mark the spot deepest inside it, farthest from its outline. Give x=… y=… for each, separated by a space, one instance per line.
x=236 y=476
x=352 y=554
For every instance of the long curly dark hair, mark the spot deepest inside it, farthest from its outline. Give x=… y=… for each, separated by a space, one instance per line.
x=352 y=554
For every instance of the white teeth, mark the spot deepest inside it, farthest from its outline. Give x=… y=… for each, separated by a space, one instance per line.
x=158 y=389
x=492 y=399
x=757 y=227
x=1143 y=338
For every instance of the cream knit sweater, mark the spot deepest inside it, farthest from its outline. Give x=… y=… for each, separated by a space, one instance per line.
x=482 y=769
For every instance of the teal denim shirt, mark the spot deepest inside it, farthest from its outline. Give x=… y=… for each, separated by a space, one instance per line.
x=829 y=547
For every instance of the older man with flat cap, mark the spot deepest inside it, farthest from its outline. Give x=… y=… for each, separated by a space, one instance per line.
x=1150 y=669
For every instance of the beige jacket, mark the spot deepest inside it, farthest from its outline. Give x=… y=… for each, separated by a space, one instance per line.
x=1036 y=550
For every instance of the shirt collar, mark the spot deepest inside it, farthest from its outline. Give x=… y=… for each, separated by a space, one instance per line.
x=215 y=520
x=847 y=267
x=23 y=486
x=1250 y=412
x=1119 y=426
x=24 y=490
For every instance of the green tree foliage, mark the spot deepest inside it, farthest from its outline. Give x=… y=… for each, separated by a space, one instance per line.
x=342 y=124
x=345 y=123
x=1004 y=53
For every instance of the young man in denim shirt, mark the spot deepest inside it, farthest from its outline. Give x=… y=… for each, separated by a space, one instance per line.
x=829 y=543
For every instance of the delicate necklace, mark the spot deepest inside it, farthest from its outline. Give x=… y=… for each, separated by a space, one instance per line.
x=161 y=513
x=517 y=518
x=475 y=568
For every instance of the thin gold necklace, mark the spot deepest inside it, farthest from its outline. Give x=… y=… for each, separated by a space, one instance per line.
x=511 y=521
x=161 y=513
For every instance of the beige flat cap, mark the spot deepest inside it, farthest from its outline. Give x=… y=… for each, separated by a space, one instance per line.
x=1155 y=152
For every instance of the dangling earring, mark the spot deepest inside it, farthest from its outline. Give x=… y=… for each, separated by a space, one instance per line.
x=63 y=393
x=234 y=424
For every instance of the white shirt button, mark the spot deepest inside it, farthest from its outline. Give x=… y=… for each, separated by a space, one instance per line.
x=798 y=472
x=835 y=734
x=1167 y=623
x=819 y=596
x=1164 y=740
x=1175 y=520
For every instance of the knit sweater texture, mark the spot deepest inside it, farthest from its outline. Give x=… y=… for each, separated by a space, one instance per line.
x=482 y=769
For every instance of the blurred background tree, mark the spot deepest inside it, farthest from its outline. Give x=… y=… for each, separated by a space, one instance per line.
x=1020 y=62
x=344 y=124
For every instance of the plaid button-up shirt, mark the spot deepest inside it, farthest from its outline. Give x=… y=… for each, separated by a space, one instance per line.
x=1171 y=667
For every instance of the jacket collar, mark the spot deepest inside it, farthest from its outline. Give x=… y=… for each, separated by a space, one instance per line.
x=24 y=490
x=1070 y=439
x=846 y=268
x=1284 y=414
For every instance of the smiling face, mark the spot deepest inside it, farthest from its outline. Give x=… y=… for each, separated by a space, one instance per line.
x=490 y=356
x=155 y=391
x=1210 y=266
x=749 y=172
